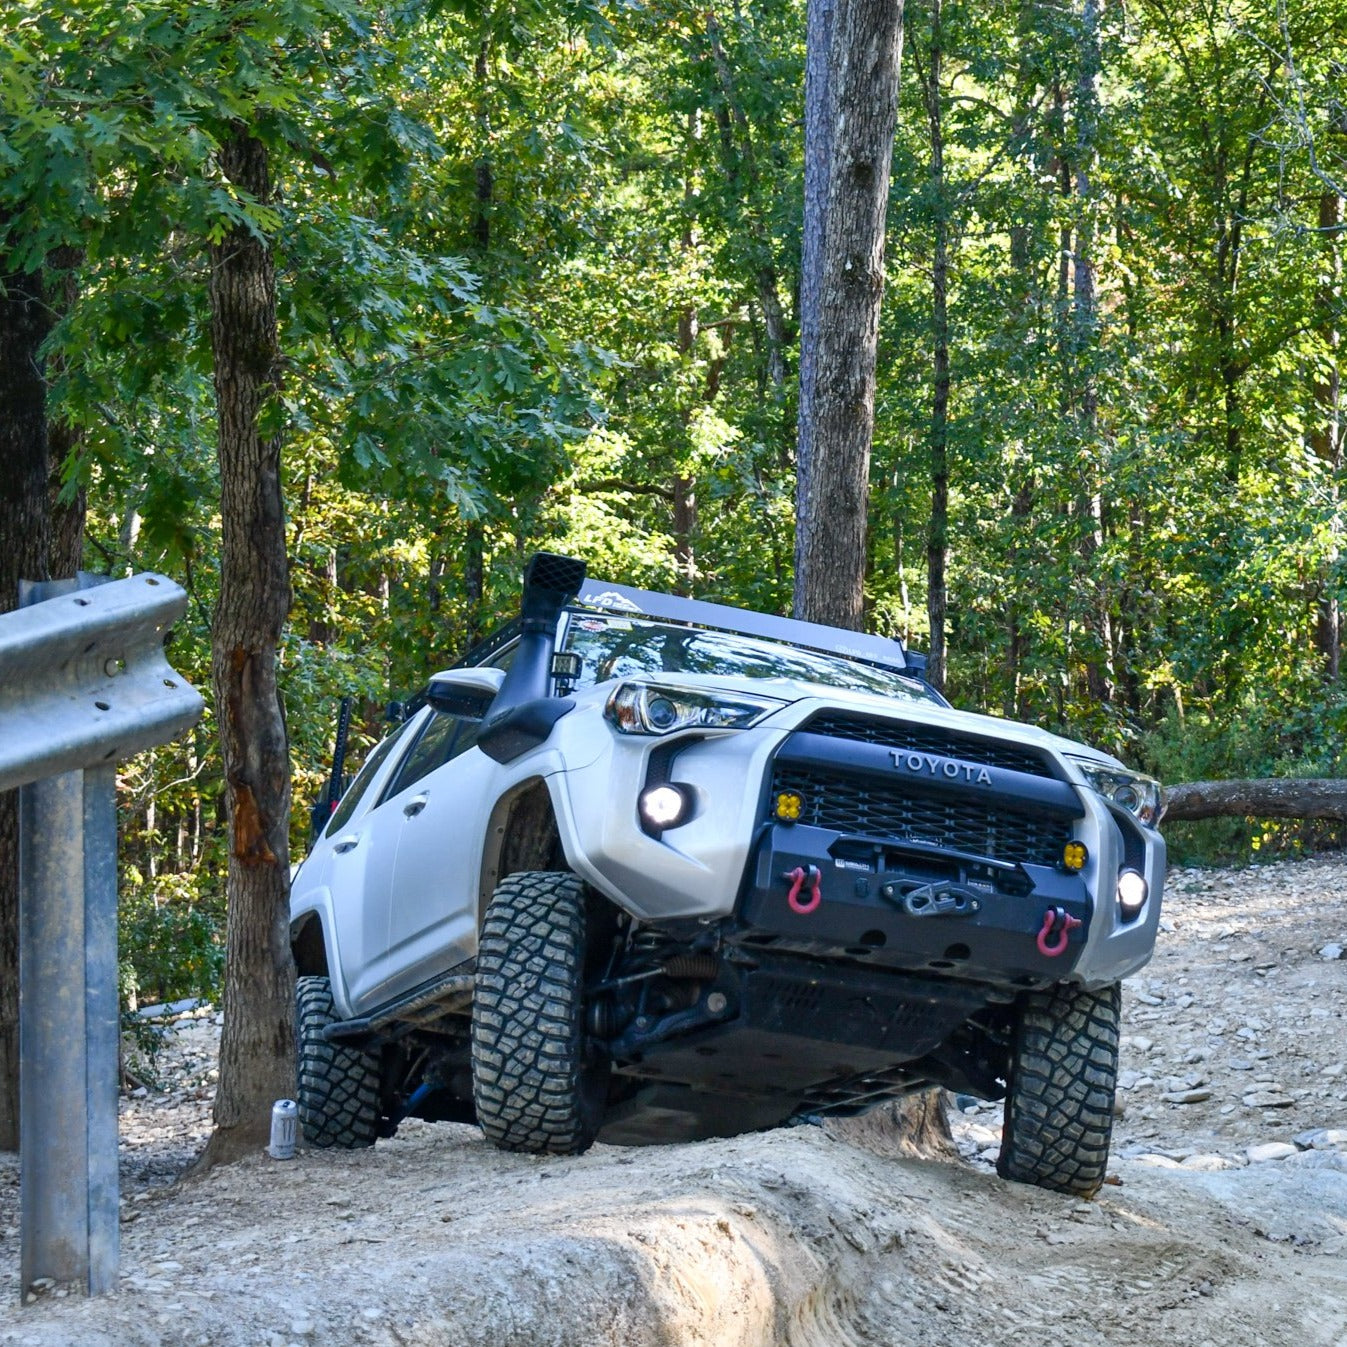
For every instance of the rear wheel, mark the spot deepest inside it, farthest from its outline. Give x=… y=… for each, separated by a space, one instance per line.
x=539 y=1085
x=1059 y=1107
x=338 y=1087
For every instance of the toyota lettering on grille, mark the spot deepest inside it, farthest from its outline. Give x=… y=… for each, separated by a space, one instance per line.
x=925 y=763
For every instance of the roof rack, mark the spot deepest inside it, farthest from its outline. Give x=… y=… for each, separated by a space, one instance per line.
x=882 y=650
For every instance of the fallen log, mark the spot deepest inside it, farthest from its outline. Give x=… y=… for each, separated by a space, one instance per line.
x=1288 y=797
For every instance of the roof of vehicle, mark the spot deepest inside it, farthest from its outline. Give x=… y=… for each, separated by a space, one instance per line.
x=882 y=650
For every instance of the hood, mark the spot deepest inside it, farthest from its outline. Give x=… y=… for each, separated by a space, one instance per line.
x=801 y=700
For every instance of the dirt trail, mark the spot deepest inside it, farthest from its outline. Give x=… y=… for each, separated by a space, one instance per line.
x=1236 y=1039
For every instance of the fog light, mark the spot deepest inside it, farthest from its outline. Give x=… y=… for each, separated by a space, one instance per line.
x=1074 y=855
x=788 y=806
x=663 y=807
x=1132 y=891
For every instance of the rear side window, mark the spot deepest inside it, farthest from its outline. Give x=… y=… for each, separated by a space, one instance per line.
x=342 y=816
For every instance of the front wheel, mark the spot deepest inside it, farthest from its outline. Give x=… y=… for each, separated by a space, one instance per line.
x=1059 y=1106
x=538 y=1084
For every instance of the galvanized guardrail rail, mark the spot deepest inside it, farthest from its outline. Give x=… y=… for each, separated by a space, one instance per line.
x=84 y=683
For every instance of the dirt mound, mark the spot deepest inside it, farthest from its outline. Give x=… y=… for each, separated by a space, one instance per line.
x=807 y=1236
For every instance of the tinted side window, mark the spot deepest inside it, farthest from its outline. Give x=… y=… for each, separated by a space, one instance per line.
x=433 y=748
x=342 y=815
x=445 y=736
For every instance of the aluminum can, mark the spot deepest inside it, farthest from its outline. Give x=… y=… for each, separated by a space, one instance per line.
x=284 y=1129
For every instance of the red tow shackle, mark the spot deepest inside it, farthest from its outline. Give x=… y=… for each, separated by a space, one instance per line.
x=1059 y=921
x=797 y=877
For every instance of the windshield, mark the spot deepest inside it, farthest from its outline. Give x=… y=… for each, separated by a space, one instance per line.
x=614 y=647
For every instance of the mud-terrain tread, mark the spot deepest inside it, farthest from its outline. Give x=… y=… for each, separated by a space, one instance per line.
x=1063 y=1073
x=338 y=1087
x=531 y=1084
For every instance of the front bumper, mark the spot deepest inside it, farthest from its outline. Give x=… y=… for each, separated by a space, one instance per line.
x=990 y=829
x=913 y=908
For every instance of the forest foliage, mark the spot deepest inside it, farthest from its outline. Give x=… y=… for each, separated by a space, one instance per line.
x=537 y=278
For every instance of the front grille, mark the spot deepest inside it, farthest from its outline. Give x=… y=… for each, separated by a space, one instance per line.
x=873 y=807
x=927 y=739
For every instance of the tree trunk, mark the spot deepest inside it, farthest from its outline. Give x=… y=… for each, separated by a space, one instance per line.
x=1326 y=438
x=474 y=577
x=25 y=536
x=1292 y=797
x=937 y=536
x=257 y=1064
x=740 y=164
x=864 y=57
x=817 y=171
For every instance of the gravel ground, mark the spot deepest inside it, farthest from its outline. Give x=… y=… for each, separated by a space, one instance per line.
x=1224 y=1222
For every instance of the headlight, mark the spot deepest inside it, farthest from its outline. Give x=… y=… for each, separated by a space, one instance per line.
x=648 y=708
x=1140 y=795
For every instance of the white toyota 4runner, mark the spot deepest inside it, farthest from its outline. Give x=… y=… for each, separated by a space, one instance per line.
x=648 y=869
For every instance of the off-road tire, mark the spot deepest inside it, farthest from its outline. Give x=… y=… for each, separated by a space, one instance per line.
x=537 y=1085
x=1059 y=1106
x=338 y=1087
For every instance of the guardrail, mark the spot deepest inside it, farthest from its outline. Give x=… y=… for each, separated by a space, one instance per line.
x=84 y=683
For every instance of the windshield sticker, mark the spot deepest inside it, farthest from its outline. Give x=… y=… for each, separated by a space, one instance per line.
x=592 y=624
x=610 y=599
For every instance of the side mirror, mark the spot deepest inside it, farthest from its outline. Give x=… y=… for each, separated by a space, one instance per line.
x=464 y=692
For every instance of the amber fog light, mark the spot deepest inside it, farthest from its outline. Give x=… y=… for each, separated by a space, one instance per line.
x=788 y=806
x=1074 y=855
x=663 y=807
x=1132 y=892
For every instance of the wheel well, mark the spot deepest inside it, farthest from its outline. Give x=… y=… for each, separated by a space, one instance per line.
x=521 y=835
x=309 y=948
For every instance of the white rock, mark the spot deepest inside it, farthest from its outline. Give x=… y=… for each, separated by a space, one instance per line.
x=1207 y=1163
x=1268 y=1099
x=1270 y=1150
x=1186 y=1096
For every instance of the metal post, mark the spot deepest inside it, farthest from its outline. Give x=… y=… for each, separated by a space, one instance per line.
x=83 y=684
x=68 y=1023
x=69 y=1207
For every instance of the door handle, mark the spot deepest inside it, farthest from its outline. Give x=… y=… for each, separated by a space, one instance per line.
x=413 y=807
x=346 y=844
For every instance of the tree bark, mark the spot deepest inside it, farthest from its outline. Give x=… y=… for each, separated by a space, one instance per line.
x=817 y=171
x=833 y=496
x=1326 y=437
x=25 y=537
x=257 y=1063
x=740 y=163
x=1290 y=797
x=937 y=535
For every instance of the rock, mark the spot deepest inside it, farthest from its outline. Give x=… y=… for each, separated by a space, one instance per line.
x=1160 y=1161
x=301 y=1328
x=1206 y=1163
x=1147 y=999
x=1322 y=1139
x=1268 y=1099
x=1185 y=1096
x=1333 y=951
x=1270 y=1150
x=1240 y=1064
